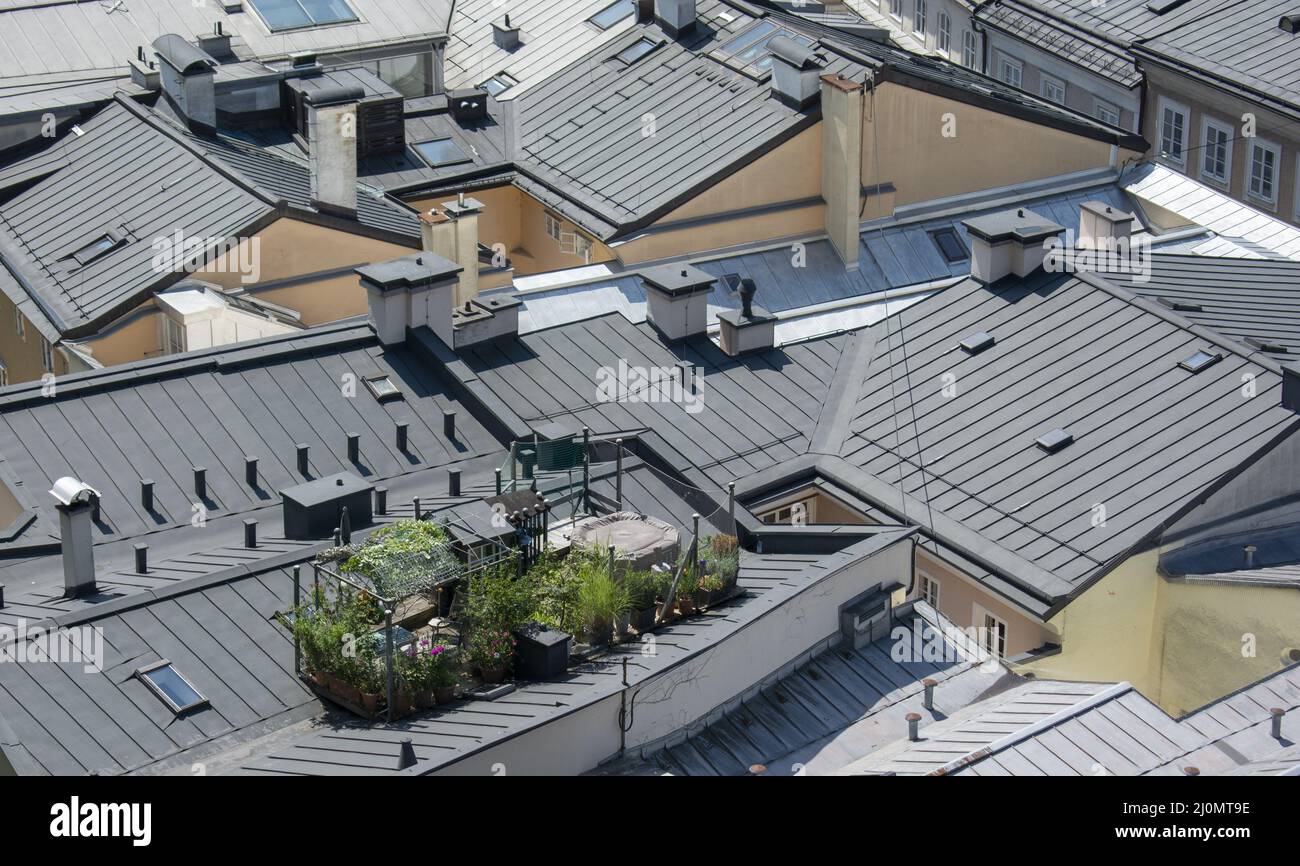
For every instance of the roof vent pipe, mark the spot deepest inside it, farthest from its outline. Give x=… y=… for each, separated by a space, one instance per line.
x=914 y=727
x=1290 y=23
x=675 y=16
x=1249 y=550
x=749 y=329
x=1277 y=714
x=504 y=34
x=76 y=504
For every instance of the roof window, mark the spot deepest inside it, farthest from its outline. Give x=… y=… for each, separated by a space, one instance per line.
x=612 y=14
x=382 y=387
x=499 y=83
x=1199 y=361
x=637 y=50
x=96 y=249
x=172 y=687
x=440 y=152
x=748 y=52
x=950 y=245
x=301 y=14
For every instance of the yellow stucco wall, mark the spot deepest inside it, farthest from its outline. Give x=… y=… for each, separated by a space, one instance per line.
x=22 y=355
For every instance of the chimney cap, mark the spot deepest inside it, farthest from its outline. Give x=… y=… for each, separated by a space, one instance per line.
x=335 y=96
x=409 y=272
x=183 y=55
x=1021 y=225
x=1106 y=211
x=798 y=56
x=678 y=279
x=461 y=208
x=69 y=491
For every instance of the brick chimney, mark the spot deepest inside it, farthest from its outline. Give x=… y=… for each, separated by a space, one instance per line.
x=1009 y=242
x=332 y=139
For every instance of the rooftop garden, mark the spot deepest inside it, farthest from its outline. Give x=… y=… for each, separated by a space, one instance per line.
x=404 y=621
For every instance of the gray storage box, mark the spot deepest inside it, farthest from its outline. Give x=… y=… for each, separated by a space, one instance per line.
x=313 y=510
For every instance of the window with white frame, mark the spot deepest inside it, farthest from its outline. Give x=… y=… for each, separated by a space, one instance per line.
x=969 y=57
x=1172 y=120
x=1107 y=113
x=793 y=514
x=944 y=39
x=918 y=18
x=896 y=9
x=173 y=336
x=992 y=632
x=1216 y=156
x=47 y=355
x=582 y=247
x=553 y=228
x=930 y=591
x=1011 y=71
x=4 y=375
x=1053 y=89
x=1263 y=171
x=20 y=324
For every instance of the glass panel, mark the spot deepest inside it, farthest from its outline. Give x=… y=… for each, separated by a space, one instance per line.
x=443 y=151
x=744 y=40
x=328 y=11
x=173 y=686
x=636 y=51
x=282 y=14
x=611 y=15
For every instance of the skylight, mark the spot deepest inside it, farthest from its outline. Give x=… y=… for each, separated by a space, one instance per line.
x=950 y=245
x=383 y=388
x=612 y=14
x=298 y=14
x=748 y=50
x=171 y=686
x=499 y=83
x=637 y=50
x=100 y=246
x=1199 y=361
x=1054 y=440
x=440 y=151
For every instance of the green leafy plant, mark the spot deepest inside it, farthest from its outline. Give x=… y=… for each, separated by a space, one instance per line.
x=425 y=666
x=500 y=601
x=601 y=600
x=722 y=554
x=491 y=649
x=559 y=583
x=404 y=558
x=642 y=588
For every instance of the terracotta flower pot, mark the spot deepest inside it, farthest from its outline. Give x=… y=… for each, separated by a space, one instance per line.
x=370 y=703
x=492 y=676
x=686 y=605
x=444 y=694
x=424 y=699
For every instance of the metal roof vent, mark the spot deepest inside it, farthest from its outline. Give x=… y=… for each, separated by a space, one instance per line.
x=1266 y=346
x=977 y=342
x=70 y=491
x=796 y=72
x=1179 y=306
x=1290 y=23
x=1054 y=440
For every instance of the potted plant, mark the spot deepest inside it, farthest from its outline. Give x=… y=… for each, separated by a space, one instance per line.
x=601 y=600
x=419 y=668
x=723 y=554
x=642 y=589
x=685 y=593
x=711 y=590
x=444 y=674
x=491 y=650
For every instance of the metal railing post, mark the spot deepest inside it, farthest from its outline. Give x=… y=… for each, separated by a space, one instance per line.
x=297 y=612
x=618 y=475
x=388 y=661
x=586 y=470
x=731 y=504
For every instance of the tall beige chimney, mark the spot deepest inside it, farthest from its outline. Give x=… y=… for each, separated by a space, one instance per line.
x=332 y=139
x=453 y=234
x=842 y=164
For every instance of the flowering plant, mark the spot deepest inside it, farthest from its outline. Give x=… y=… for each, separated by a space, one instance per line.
x=491 y=648
x=427 y=666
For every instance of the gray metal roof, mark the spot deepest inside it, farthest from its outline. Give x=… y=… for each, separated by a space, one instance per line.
x=105 y=181
x=1124 y=734
x=1238 y=45
x=1245 y=299
x=159 y=419
x=896 y=254
x=1071 y=353
x=1104 y=55
x=88 y=39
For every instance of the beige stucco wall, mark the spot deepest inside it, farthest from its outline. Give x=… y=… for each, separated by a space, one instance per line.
x=22 y=355
x=958 y=595
x=9 y=506
x=904 y=128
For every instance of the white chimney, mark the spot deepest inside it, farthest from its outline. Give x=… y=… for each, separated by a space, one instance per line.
x=332 y=140
x=453 y=234
x=77 y=503
x=1103 y=227
x=188 y=81
x=842 y=164
x=411 y=292
x=677 y=299
x=1009 y=242
x=749 y=329
x=795 y=72
x=675 y=16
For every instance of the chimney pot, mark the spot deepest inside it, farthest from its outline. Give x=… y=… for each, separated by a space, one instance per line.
x=914 y=727
x=929 y=684
x=1249 y=550
x=1101 y=227
x=1191 y=771
x=1277 y=713
x=75 y=503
